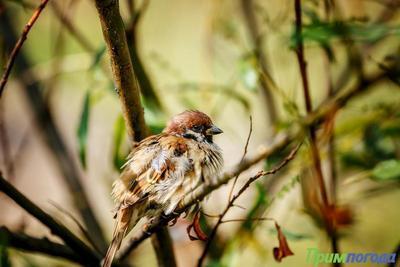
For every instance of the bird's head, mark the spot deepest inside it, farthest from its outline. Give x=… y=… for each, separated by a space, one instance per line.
x=193 y=124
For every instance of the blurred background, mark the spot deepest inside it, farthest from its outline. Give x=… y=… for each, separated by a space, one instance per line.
x=230 y=59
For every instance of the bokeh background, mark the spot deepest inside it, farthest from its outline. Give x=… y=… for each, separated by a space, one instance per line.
x=212 y=56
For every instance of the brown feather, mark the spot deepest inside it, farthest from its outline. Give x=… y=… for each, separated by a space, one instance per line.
x=120 y=230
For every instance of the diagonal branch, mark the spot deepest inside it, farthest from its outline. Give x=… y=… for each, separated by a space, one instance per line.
x=38 y=245
x=147 y=88
x=19 y=44
x=56 y=228
x=237 y=195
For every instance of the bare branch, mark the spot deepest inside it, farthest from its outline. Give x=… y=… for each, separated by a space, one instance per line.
x=129 y=93
x=68 y=24
x=125 y=81
x=256 y=38
x=19 y=44
x=80 y=226
x=56 y=228
x=38 y=245
x=237 y=195
x=308 y=103
x=162 y=240
x=241 y=160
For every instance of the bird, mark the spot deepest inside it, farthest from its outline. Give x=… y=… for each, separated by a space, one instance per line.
x=162 y=169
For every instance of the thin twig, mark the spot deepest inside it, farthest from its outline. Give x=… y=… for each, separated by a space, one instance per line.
x=19 y=44
x=243 y=156
x=147 y=88
x=80 y=226
x=238 y=194
x=68 y=24
x=308 y=103
x=56 y=228
x=257 y=39
x=312 y=131
x=250 y=219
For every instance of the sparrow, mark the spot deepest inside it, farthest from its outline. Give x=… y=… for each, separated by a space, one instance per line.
x=162 y=169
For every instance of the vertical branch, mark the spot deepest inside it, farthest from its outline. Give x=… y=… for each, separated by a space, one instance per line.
x=308 y=104
x=5 y=145
x=147 y=89
x=129 y=94
x=256 y=38
x=312 y=132
x=331 y=143
x=126 y=83
x=242 y=189
x=162 y=240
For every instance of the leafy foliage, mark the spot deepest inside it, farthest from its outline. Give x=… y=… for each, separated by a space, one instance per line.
x=387 y=170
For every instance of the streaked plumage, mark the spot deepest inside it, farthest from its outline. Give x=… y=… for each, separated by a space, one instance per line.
x=162 y=169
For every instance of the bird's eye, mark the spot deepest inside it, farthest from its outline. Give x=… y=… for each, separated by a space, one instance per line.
x=197 y=128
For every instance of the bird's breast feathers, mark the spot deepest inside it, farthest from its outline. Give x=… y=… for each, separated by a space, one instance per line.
x=163 y=169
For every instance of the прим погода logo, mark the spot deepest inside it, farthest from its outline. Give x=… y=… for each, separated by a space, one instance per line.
x=316 y=257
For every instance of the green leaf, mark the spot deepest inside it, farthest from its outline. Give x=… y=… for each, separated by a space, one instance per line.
x=387 y=170
x=323 y=33
x=119 y=134
x=83 y=128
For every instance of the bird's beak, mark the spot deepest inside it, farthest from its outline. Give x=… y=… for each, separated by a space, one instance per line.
x=213 y=130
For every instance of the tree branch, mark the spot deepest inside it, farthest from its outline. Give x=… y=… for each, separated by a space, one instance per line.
x=256 y=38
x=162 y=240
x=19 y=44
x=65 y=20
x=125 y=81
x=129 y=94
x=308 y=103
x=252 y=179
x=61 y=231
x=147 y=89
x=38 y=245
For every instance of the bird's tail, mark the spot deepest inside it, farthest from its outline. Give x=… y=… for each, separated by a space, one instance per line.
x=122 y=226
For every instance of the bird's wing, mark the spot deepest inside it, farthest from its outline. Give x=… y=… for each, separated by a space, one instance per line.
x=154 y=163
